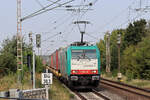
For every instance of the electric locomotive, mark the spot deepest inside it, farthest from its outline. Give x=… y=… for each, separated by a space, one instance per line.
x=77 y=66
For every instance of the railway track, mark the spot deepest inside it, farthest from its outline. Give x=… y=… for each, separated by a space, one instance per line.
x=92 y=95
x=87 y=95
x=128 y=90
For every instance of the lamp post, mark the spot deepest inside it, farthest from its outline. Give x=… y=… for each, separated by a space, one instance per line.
x=119 y=42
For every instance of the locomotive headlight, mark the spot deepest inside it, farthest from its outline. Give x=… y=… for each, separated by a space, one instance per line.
x=95 y=77
x=94 y=71
x=75 y=71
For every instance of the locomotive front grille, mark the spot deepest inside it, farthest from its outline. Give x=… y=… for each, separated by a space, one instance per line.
x=74 y=78
x=84 y=77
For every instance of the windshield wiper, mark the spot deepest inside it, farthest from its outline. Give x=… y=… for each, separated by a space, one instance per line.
x=79 y=57
x=87 y=57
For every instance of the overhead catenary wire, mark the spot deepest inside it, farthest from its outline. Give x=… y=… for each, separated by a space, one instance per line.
x=53 y=47
x=39 y=3
x=119 y=26
x=54 y=23
x=43 y=10
x=63 y=22
x=79 y=16
x=57 y=33
x=66 y=19
x=115 y=17
x=68 y=6
x=132 y=20
x=57 y=42
x=65 y=30
x=80 y=9
x=91 y=36
x=69 y=32
x=55 y=27
x=29 y=16
x=90 y=5
x=53 y=2
x=59 y=25
x=42 y=41
x=51 y=37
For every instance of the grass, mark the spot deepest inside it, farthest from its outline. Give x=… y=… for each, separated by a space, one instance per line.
x=135 y=82
x=56 y=92
x=10 y=82
x=140 y=83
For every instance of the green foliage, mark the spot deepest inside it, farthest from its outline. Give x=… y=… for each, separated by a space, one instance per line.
x=102 y=48
x=135 y=32
x=135 y=50
x=39 y=65
x=8 y=54
x=136 y=61
x=114 y=50
x=114 y=47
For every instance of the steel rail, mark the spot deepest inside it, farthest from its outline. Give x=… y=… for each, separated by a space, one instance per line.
x=126 y=87
x=19 y=98
x=80 y=96
x=100 y=95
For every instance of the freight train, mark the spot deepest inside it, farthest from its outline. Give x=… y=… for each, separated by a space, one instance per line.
x=77 y=66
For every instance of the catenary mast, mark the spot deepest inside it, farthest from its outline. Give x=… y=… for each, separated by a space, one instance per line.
x=19 y=44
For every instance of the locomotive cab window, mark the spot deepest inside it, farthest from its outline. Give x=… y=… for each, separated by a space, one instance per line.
x=84 y=54
x=90 y=54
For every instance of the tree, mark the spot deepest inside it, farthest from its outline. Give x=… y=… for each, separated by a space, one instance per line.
x=113 y=49
x=39 y=65
x=102 y=49
x=135 y=50
x=135 y=32
x=136 y=62
x=8 y=54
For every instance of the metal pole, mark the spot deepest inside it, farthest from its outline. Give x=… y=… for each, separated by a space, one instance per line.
x=108 y=59
x=31 y=46
x=119 y=42
x=82 y=37
x=19 y=46
x=47 y=88
x=33 y=70
x=41 y=52
x=118 y=58
x=38 y=51
x=106 y=53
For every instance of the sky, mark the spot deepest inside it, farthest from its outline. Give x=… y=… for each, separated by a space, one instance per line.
x=104 y=15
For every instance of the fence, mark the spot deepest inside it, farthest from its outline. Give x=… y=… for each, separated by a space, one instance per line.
x=36 y=94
